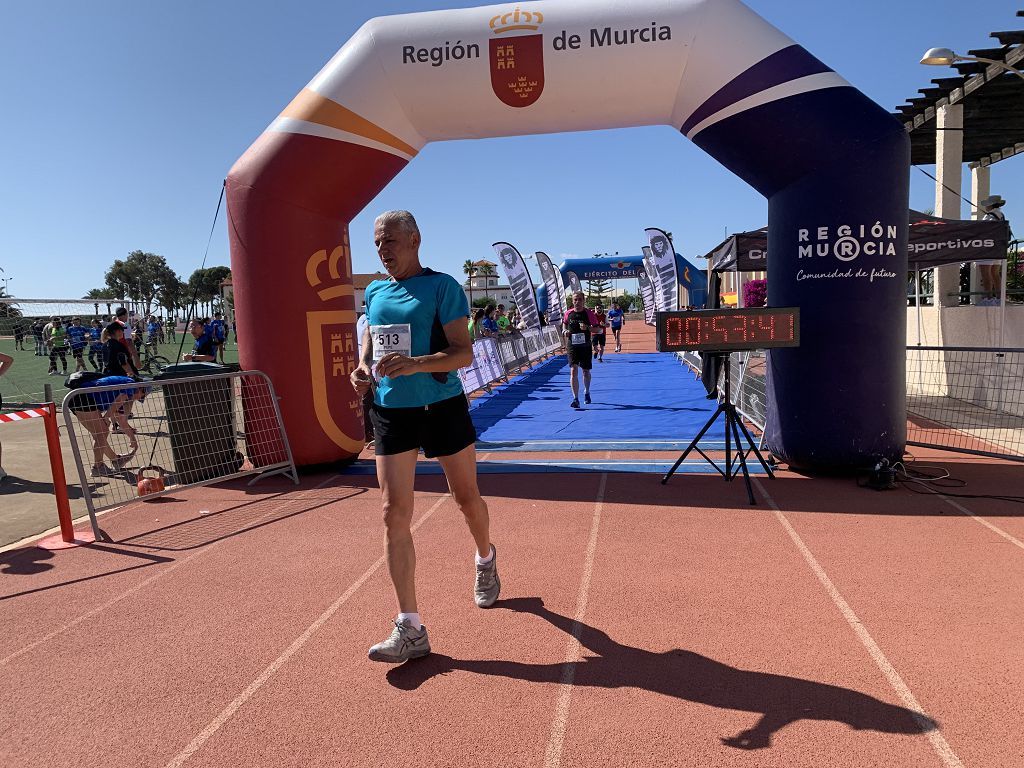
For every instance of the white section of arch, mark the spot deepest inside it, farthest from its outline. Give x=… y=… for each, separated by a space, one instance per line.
x=592 y=86
x=792 y=88
x=292 y=125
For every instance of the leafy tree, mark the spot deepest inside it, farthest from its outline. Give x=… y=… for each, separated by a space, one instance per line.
x=469 y=269
x=6 y=308
x=204 y=285
x=140 y=277
x=482 y=302
x=101 y=294
x=627 y=300
x=596 y=290
x=173 y=296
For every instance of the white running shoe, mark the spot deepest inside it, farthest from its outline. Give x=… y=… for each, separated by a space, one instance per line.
x=404 y=643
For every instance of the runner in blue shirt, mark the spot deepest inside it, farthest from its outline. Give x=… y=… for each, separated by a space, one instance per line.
x=96 y=346
x=218 y=331
x=416 y=340
x=617 y=319
x=76 y=337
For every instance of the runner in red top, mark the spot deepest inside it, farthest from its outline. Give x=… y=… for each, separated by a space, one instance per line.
x=598 y=337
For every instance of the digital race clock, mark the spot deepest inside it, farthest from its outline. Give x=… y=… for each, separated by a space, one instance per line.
x=728 y=329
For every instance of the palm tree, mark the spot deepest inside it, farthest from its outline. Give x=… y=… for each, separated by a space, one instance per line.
x=487 y=270
x=469 y=268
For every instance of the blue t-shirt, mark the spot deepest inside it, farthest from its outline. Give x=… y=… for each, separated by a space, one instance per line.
x=615 y=318
x=418 y=301
x=105 y=399
x=95 y=335
x=205 y=346
x=490 y=325
x=216 y=330
x=76 y=334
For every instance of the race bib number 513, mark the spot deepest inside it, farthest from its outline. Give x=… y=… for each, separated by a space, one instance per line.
x=391 y=338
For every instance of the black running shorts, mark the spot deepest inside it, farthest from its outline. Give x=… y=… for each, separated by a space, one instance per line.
x=582 y=356
x=597 y=340
x=440 y=429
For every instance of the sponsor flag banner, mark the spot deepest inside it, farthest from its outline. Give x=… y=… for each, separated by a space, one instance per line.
x=553 y=282
x=574 y=281
x=520 y=281
x=663 y=258
x=647 y=292
x=653 y=277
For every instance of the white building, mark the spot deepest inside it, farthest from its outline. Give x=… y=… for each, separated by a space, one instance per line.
x=486 y=283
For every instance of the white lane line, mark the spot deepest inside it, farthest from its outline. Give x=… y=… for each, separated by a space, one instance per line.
x=994 y=528
x=553 y=754
x=146 y=582
x=228 y=712
x=935 y=738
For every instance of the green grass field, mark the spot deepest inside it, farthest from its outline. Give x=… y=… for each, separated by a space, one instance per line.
x=27 y=377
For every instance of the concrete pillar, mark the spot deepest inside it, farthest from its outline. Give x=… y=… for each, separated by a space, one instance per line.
x=981 y=179
x=981 y=182
x=949 y=152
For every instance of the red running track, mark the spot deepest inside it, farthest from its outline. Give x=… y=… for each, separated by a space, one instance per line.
x=639 y=625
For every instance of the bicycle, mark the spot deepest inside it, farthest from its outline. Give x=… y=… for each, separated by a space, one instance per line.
x=152 y=363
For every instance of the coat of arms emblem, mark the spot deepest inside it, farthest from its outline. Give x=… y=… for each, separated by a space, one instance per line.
x=517 y=59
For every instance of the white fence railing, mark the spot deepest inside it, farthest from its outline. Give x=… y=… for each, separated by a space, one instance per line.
x=150 y=438
x=496 y=357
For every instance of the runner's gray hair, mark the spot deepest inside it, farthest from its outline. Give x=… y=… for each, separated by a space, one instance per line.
x=404 y=219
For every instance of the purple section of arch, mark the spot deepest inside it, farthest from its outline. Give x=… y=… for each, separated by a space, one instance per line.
x=781 y=67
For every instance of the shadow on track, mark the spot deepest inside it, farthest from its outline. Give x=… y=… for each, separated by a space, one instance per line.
x=685 y=675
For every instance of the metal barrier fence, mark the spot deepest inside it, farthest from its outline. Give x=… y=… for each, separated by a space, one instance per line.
x=966 y=399
x=151 y=438
x=496 y=357
x=748 y=372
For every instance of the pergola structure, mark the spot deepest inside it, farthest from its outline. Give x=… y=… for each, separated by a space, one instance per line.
x=975 y=118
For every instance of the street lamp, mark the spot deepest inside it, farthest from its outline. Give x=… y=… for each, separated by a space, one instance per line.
x=944 y=57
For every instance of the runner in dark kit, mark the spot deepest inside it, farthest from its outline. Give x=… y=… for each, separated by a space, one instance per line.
x=416 y=340
x=579 y=323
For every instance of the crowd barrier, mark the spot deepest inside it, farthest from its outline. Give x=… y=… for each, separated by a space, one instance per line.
x=495 y=358
x=964 y=399
x=151 y=438
x=48 y=413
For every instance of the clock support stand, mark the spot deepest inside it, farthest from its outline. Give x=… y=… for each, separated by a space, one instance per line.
x=734 y=427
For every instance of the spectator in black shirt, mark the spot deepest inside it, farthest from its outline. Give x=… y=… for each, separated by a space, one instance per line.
x=119 y=360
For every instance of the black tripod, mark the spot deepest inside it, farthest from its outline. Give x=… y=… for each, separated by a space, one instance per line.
x=733 y=427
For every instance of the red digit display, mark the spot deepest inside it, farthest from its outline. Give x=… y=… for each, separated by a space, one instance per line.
x=728 y=329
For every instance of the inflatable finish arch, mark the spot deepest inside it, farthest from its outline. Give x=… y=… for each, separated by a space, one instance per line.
x=832 y=164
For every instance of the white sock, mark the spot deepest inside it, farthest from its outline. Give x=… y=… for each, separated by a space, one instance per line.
x=414 y=619
x=485 y=560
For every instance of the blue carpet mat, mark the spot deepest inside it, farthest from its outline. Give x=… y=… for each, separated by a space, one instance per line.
x=639 y=399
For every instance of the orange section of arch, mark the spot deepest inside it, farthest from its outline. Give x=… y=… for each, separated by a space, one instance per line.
x=314 y=108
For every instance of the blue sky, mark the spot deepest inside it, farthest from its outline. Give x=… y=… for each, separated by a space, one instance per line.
x=122 y=118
